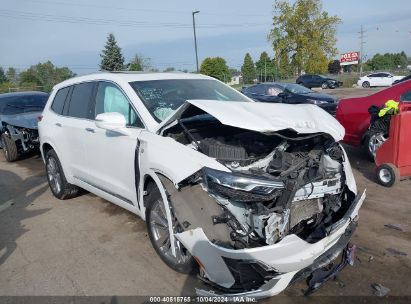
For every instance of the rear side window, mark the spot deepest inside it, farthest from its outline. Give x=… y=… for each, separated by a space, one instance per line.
x=406 y=97
x=58 y=102
x=81 y=101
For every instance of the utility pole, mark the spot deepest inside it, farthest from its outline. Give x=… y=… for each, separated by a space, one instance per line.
x=362 y=42
x=195 y=38
x=265 y=69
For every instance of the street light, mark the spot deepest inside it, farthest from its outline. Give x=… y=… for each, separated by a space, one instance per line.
x=195 y=37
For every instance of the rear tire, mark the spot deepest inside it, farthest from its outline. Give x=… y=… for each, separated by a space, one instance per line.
x=59 y=186
x=365 y=84
x=9 y=148
x=157 y=227
x=388 y=175
x=324 y=86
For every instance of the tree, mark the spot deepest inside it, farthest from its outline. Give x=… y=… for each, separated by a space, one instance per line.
x=248 y=69
x=169 y=69
x=265 y=68
x=216 y=67
x=12 y=75
x=284 y=65
x=306 y=33
x=334 y=67
x=387 y=61
x=111 y=57
x=44 y=75
x=139 y=63
x=3 y=77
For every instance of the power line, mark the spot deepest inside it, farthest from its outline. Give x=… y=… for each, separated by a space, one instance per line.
x=127 y=23
x=156 y=11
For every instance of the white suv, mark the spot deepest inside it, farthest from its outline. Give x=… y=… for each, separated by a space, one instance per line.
x=253 y=196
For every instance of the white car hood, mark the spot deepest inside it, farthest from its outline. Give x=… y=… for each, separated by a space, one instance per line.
x=265 y=117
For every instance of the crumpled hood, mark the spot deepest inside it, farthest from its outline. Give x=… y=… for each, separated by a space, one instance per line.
x=265 y=117
x=320 y=96
x=23 y=120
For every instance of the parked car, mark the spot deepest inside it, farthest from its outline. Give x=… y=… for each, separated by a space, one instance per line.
x=19 y=113
x=290 y=93
x=318 y=81
x=353 y=114
x=402 y=79
x=378 y=80
x=255 y=195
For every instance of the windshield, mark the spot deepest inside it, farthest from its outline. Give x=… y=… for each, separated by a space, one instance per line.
x=22 y=104
x=163 y=97
x=295 y=88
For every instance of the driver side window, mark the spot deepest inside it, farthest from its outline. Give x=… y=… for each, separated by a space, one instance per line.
x=110 y=98
x=406 y=97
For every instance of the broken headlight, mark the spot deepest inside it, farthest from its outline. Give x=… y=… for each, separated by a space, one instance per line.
x=241 y=187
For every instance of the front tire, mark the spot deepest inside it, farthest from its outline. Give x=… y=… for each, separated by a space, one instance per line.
x=9 y=148
x=158 y=232
x=59 y=186
x=365 y=84
x=388 y=175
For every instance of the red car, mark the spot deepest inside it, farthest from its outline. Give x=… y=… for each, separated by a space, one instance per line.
x=353 y=114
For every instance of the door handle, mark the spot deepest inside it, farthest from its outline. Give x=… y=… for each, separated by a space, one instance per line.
x=58 y=124
x=91 y=130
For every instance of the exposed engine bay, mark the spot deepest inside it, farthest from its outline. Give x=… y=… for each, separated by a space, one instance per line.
x=280 y=183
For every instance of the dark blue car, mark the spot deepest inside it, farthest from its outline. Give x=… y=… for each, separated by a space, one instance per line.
x=290 y=93
x=19 y=113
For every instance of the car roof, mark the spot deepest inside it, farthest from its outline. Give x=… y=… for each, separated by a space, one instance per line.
x=131 y=77
x=14 y=94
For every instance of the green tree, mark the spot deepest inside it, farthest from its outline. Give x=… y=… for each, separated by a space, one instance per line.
x=265 y=68
x=248 y=69
x=139 y=63
x=216 y=67
x=3 y=77
x=306 y=33
x=12 y=75
x=334 y=67
x=111 y=56
x=169 y=69
x=44 y=75
x=387 y=61
x=284 y=65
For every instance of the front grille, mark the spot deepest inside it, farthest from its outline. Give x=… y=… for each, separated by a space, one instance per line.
x=303 y=210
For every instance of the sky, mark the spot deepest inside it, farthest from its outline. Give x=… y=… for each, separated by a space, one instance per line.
x=72 y=33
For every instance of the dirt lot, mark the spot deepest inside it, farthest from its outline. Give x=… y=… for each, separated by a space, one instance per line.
x=87 y=246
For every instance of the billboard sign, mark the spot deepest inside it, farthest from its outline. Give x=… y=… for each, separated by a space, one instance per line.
x=350 y=58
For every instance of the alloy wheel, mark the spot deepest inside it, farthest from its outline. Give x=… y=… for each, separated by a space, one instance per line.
x=160 y=230
x=375 y=142
x=53 y=175
x=385 y=175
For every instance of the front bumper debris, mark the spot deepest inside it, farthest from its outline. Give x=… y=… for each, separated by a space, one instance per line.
x=287 y=261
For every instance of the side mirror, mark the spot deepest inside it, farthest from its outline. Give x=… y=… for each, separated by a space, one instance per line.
x=112 y=121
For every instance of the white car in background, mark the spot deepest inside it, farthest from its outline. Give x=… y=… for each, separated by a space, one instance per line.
x=253 y=196
x=381 y=79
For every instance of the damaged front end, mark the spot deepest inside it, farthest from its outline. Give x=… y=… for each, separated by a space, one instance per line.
x=285 y=200
x=25 y=139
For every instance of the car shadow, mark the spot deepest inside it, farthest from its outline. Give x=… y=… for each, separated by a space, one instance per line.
x=16 y=194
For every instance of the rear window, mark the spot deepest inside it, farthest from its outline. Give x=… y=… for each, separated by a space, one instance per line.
x=81 y=105
x=59 y=99
x=22 y=103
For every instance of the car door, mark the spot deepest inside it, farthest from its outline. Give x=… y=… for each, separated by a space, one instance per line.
x=111 y=155
x=257 y=92
x=386 y=79
x=373 y=79
x=75 y=122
